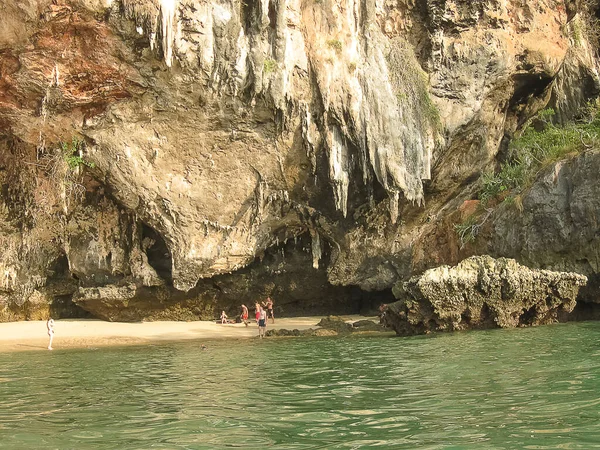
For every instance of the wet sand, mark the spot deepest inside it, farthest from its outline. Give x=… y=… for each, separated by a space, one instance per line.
x=80 y=333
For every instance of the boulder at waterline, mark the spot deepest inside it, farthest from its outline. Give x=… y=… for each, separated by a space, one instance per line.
x=481 y=292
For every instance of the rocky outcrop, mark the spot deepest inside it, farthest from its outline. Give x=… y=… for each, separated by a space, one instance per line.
x=551 y=225
x=481 y=292
x=207 y=133
x=556 y=224
x=332 y=326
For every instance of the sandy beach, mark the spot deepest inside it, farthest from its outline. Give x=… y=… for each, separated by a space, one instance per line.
x=79 y=333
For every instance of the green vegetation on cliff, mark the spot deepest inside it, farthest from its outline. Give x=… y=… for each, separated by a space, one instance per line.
x=71 y=152
x=269 y=66
x=64 y=165
x=541 y=143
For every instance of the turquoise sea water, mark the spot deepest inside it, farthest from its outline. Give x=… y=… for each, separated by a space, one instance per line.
x=535 y=388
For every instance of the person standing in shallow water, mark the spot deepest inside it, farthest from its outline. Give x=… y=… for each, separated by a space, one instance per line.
x=50 y=327
x=262 y=322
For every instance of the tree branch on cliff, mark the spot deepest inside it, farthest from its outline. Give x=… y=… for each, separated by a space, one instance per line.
x=469 y=230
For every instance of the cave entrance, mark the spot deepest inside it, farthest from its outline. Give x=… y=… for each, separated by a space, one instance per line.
x=159 y=255
x=62 y=307
x=528 y=316
x=368 y=302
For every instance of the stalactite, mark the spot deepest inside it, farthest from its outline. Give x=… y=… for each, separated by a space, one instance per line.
x=146 y=15
x=338 y=169
x=394 y=199
x=308 y=138
x=260 y=193
x=315 y=247
x=167 y=10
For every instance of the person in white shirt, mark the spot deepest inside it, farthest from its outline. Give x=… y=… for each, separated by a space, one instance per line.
x=50 y=326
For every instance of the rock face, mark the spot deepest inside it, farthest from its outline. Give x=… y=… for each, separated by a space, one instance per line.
x=554 y=226
x=152 y=152
x=558 y=224
x=482 y=292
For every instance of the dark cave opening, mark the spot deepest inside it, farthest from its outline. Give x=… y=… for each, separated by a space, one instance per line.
x=60 y=266
x=62 y=307
x=591 y=291
x=285 y=273
x=528 y=85
x=588 y=305
x=370 y=301
x=159 y=255
x=528 y=316
x=584 y=311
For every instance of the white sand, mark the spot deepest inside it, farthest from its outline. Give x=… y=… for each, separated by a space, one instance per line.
x=70 y=333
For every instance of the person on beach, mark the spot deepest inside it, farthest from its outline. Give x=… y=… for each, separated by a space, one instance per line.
x=245 y=314
x=262 y=322
x=223 y=317
x=50 y=326
x=269 y=305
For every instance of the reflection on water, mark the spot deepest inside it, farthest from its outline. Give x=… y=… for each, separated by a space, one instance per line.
x=535 y=388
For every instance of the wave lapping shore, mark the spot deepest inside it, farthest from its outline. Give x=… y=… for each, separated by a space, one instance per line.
x=81 y=333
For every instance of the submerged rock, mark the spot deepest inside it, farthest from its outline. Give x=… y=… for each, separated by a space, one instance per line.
x=366 y=325
x=335 y=323
x=295 y=332
x=481 y=292
x=332 y=326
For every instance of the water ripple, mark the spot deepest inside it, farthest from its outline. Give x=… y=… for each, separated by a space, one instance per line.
x=527 y=388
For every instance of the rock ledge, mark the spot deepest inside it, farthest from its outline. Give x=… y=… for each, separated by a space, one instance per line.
x=481 y=292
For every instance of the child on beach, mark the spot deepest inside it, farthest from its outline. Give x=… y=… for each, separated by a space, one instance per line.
x=50 y=326
x=223 y=317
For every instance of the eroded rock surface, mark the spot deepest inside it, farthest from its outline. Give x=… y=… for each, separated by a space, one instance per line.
x=482 y=292
x=552 y=225
x=210 y=132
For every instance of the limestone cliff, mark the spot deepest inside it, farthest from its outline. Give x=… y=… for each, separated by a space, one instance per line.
x=154 y=152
